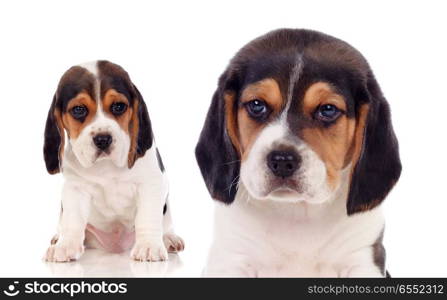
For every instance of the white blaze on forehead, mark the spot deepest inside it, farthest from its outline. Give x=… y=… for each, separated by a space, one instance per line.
x=100 y=120
x=293 y=78
x=92 y=67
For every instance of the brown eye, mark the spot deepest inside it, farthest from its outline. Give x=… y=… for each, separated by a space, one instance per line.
x=118 y=108
x=327 y=113
x=79 y=112
x=257 y=109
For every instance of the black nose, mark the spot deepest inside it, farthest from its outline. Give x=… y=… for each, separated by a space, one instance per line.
x=102 y=141
x=283 y=163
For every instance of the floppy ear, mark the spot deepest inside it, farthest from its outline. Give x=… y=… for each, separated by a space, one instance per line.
x=54 y=138
x=141 y=129
x=378 y=167
x=218 y=160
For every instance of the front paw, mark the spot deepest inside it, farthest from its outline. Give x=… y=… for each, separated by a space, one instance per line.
x=173 y=242
x=149 y=251
x=64 y=251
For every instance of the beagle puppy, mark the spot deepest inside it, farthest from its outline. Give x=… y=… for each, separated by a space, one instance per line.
x=299 y=147
x=115 y=192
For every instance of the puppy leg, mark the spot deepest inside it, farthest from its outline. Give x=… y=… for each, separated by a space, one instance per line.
x=173 y=242
x=70 y=242
x=224 y=261
x=148 y=222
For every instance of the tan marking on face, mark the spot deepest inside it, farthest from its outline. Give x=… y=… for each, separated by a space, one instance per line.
x=321 y=93
x=356 y=149
x=111 y=96
x=267 y=90
x=60 y=128
x=332 y=144
x=133 y=129
x=242 y=129
x=72 y=125
x=231 y=119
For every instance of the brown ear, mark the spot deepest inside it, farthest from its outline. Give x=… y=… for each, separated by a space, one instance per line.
x=378 y=167
x=54 y=139
x=217 y=157
x=140 y=129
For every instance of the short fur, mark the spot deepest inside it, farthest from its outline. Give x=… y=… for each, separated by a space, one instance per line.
x=346 y=189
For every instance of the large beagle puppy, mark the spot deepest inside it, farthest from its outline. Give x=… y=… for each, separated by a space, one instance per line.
x=115 y=192
x=298 y=144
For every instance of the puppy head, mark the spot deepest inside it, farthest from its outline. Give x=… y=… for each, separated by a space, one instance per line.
x=104 y=115
x=298 y=116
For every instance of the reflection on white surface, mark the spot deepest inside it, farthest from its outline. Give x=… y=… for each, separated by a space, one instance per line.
x=97 y=263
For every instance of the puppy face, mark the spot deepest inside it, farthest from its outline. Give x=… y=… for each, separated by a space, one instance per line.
x=293 y=155
x=103 y=114
x=296 y=105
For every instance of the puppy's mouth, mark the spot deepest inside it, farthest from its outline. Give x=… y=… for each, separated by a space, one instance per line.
x=283 y=189
x=278 y=184
x=102 y=155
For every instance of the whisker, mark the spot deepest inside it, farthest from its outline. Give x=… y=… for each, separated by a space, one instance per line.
x=235 y=181
x=231 y=162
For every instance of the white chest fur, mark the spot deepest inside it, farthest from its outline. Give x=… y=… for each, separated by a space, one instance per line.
x=113 y=202
x=254 y=238
x=112 y=190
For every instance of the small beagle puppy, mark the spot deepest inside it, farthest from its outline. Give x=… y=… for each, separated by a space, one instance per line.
x=298 y=143
x=115 y=192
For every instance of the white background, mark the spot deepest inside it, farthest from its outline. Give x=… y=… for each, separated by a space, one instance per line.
x=174 y=52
